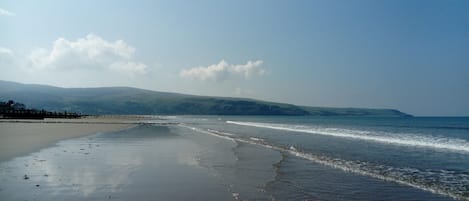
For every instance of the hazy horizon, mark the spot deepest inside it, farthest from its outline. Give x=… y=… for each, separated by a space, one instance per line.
x=405 y=55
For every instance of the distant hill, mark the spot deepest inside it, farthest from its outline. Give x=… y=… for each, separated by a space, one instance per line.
x=365 y=112
x=127 y=100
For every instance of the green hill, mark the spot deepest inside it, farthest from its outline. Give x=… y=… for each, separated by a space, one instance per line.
x=329 y=111
x=126 y=100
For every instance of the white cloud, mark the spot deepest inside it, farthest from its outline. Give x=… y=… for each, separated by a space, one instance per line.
x=5 y=51
x=91 y=52
x=224 y=70
x=129 y=67
x=6 y=57
x=6 y=13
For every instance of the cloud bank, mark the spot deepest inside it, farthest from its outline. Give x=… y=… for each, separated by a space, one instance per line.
x=6 y=13
x=223 y=70
x=91 y=53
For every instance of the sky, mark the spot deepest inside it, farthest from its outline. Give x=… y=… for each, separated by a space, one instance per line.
x=407 y=55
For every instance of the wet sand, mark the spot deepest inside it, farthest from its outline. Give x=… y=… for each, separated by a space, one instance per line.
x=146 y=162
x=20 y=137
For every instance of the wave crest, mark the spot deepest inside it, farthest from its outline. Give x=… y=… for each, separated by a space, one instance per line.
x=406 y=139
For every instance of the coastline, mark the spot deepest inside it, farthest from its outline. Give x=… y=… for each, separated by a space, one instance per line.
x=21 y=137
x=206 y=158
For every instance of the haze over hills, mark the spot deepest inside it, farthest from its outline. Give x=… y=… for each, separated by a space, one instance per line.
x=127 y=100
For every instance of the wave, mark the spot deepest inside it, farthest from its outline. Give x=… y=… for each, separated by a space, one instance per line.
x=444 y=182
x=436 y=127
x=407 y=139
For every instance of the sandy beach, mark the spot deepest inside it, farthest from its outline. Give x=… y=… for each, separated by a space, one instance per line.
x=20 y=137
x=145 y=162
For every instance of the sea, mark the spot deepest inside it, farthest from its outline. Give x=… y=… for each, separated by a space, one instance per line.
x=350 y=158
x=252 y=158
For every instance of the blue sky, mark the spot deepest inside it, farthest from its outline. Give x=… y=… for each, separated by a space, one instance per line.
x=409 y=55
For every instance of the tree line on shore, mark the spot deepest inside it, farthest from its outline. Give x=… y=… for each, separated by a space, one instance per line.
x=14 y=110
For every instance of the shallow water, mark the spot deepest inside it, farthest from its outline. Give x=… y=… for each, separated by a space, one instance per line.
x=386 y=158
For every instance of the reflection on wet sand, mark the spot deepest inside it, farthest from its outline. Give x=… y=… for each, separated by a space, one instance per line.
x=143 y=163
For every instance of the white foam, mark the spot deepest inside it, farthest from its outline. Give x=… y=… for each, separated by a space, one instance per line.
x=406 y=139
x=255 y=139
x=210 y=132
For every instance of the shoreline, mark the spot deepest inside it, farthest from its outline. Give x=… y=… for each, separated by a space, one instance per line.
x=206 y=155
x=21 y=137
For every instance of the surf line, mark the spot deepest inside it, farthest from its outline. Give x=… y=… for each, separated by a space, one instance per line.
x=330 y=162
x=412 y=141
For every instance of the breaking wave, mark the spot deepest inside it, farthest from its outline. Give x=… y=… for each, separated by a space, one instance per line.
x=406 y=139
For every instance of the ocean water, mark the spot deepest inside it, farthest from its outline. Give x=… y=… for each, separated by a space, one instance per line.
x=419 y=158
x=252 y=158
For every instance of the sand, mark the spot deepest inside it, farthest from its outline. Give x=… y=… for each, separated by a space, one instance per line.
x=146 y=162
x=20 y=137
